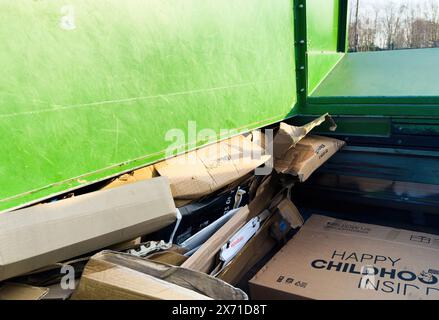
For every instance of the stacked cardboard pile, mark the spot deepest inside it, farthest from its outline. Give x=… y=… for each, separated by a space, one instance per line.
x=129 y=240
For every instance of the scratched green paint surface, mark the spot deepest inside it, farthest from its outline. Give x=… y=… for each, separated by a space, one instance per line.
x=322 y=29
x=81 y=105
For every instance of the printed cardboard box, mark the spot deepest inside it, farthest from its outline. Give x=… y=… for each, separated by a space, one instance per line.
x=336 y=259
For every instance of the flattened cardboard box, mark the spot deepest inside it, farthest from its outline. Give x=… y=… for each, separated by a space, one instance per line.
x=335 y=259
x=307 y=156
x=204 y=171
x=117 y=276
x=42 y=235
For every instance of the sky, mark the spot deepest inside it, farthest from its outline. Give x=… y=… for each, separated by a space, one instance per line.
x=382 y=3
x=370 y=5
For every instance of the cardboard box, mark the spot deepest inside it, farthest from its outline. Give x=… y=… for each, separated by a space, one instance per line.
x=117 y=276
x=307 y=156
x=39 y=236
x=336 y=259
x=204 y=171
x=199 y=214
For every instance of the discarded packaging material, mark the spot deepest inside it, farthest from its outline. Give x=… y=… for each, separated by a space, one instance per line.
x=16 y=291
x=168 y=257
x=290 y=213
x=199 y=215
x=237 y=242
x=336 y=259
x=198 y=239
x=42 y=235
x=204 y=258
x=126 y=245
x=307 y=156
x=288 y=136
x=204 y=171
x=56 y=292
x=132 y=177
x=255 y=250
x=115 y=276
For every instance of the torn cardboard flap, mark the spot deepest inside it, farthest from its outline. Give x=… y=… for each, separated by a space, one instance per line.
x=288 y=136
x=307 y=156
x=202 y=172
x=290 y=213
x=117 y=276
x=42 y=235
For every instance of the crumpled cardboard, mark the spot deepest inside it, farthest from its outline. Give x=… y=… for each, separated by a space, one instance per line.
x=288 y=136
x=204 y=171
x=117 y=276
x=42 y=235
x=307 y=156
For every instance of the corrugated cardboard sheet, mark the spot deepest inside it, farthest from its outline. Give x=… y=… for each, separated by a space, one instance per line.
x=42 y=235
x=202 y=172
x=307 y=156
x=15 y=291
x=114 y=276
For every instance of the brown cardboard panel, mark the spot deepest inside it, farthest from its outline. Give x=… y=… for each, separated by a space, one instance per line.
x=105 y=281
x=126 y=244
x=204 y=258
x=111 y=275
x=209 y=169
x=135 y=176
x=42 y=235
x=289 y=212
x=256 y=249
x=168 y=257
x=288 y=136
x=56 y=292
x=16 y=291
x=336 y=259
x=307 y=156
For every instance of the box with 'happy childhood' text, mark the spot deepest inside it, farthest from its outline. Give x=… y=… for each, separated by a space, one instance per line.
x=336 y=259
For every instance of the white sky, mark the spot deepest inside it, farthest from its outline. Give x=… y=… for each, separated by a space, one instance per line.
x=383 y=3
x=369 y=6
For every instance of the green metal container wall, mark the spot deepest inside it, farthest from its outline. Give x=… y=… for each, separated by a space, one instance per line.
x=323 y=32
x=90 y=89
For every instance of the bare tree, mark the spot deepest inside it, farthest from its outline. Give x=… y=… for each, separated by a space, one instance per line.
x=394 y=25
